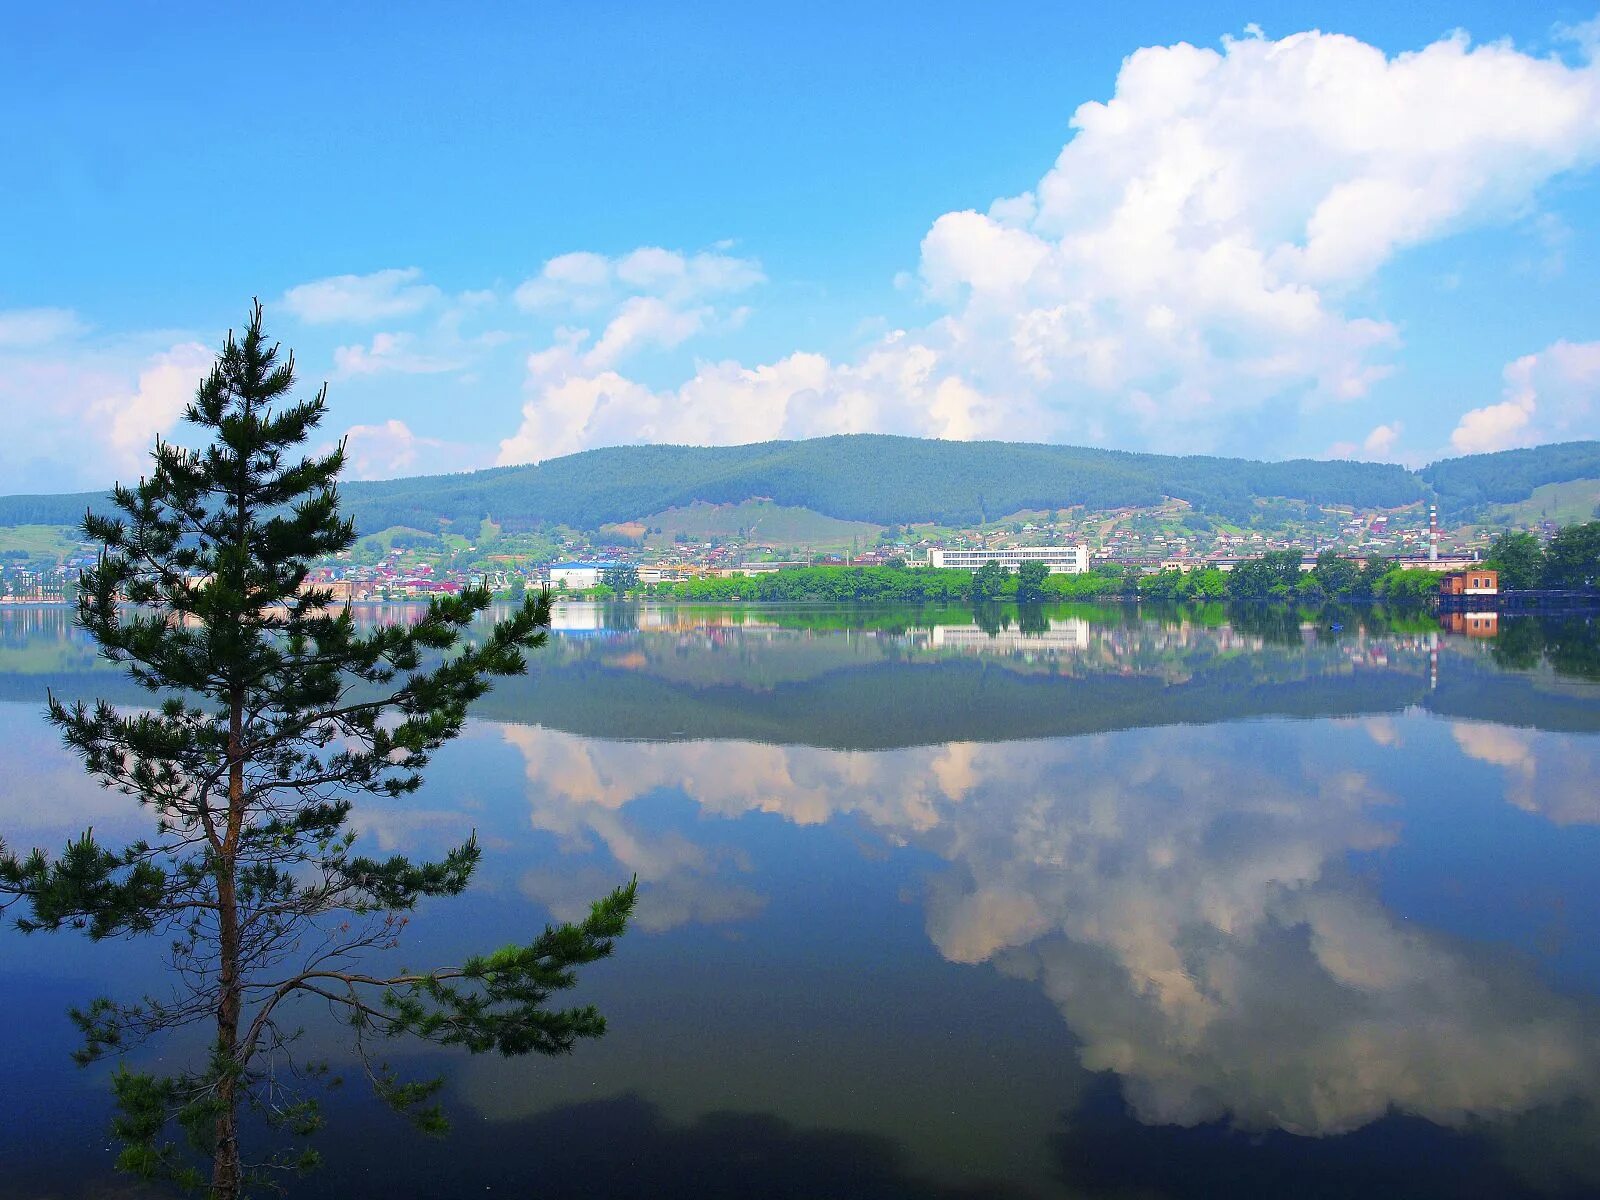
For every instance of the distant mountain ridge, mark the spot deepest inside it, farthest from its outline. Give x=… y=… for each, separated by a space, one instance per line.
x=897 y=480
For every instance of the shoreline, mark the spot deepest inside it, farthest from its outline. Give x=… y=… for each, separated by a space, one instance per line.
x=1531 y=602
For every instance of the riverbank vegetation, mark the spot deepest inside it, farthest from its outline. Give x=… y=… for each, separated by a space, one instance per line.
x=1273 y=577
x=1569 y=561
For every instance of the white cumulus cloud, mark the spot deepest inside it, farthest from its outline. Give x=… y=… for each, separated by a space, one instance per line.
x=645 y=321
x=357 y=299
x=29 y=327
x=584 y=280
x=92 y=417
x=386 y=450
x=1199 y=238
x=130 y=420
x=896 y=386
x=387 y=352
x=1495 y=426
x=1381 y=441
x=1378 y=445
x=1198 y=253
x=1552 y=394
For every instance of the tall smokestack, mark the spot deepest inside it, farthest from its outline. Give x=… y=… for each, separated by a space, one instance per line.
x=1433 y=533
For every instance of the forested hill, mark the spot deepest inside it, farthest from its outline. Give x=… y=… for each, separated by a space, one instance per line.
x=1465 y=485
x=887 y=480
x=893 y=480
x=866 y=477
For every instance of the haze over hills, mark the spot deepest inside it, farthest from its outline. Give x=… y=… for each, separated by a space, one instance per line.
x=899 y=480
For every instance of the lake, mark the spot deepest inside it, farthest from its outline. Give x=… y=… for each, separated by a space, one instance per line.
x=1062 y=903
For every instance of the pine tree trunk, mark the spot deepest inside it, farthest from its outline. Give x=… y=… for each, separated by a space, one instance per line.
x=226 y=1173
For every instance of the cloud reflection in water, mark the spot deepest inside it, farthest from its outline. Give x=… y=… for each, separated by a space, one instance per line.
x=1186 y=901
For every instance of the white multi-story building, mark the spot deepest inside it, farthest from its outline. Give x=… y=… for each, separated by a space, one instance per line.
x=1062 y=560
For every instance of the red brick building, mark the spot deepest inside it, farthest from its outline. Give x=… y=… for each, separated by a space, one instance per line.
x=1477 y=581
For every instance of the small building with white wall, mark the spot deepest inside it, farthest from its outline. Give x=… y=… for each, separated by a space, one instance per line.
x=576 y=575
x=670 y=573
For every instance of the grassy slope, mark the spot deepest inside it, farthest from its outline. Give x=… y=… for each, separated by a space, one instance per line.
x=1467 y=486
x=763 y=522
x=40 y=541
x=383 y=539
x=1568 y=503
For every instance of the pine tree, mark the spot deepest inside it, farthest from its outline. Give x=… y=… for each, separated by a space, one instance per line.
x=271 y=713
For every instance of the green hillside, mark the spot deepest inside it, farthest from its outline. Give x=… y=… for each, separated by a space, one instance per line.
x=49 y=542
x=1569 y=503
x=761 y=521
x=1465 y=486
x=883 y=480
x=862 y=477
x=867 y=477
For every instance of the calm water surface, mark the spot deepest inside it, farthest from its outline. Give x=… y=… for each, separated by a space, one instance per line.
x=1062 y=904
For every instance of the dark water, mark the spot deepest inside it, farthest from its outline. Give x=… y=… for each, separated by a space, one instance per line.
x=1059 y=904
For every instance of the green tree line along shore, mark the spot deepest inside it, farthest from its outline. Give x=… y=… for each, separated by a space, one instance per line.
x=1272 y=577
x=1571 y=561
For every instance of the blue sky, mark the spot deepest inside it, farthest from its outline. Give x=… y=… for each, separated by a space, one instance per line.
x=503 y=233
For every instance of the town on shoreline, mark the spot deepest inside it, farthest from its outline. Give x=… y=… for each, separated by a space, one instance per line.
x=1378 y=556
x=1517 y=573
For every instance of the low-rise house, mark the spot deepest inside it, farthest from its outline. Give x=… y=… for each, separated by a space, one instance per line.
x=1478 y=581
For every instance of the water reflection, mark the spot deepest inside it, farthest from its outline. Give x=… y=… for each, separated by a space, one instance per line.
x=776 y=674
x=1187 y=902
x=1553 y=776
x=1086 y=902
x=732 y=1154
x=1033 y=634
